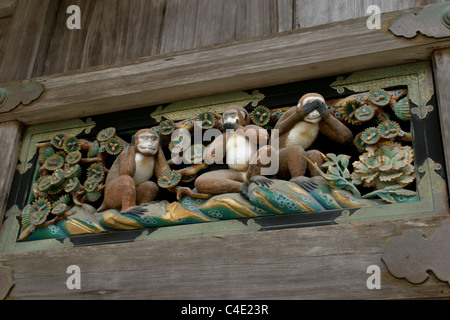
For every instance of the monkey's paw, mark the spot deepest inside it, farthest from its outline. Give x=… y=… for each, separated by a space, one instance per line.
x=262 y=181
x=305 y=183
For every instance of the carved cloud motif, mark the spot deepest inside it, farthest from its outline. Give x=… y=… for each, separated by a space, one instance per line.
x=433 y=21
x=15 y=93
x=411 y=255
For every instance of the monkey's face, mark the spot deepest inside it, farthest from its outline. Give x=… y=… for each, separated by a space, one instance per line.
x=313 y=117
x=231 y=120
x=147 y=144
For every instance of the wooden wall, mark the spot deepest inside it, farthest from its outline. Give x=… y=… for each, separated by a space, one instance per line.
x=284 y=264
x=119 y=30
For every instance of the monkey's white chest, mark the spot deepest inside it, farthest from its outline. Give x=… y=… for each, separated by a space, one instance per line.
x=239 y=152
x=144 y=168
x=303 y=134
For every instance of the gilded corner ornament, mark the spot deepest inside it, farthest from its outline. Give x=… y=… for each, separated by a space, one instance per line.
x=433 y=21
x=14 y=94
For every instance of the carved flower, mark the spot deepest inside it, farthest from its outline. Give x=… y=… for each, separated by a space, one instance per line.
x=54 y=162
x=73 y=157
x=379 y=97
x=58 y=141
x=36 y=213
x=207 y=120
x=96 y=172
x=167 y=127
x=384 y=165
x=106 y=134
x=261 y=116
x=71 y=144
x=169 y=180
x=346 y=110
x=113 y=146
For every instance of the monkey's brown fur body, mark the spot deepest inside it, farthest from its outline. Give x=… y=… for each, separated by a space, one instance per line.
x=299 y=128
x=243 y=144
x=140 y=161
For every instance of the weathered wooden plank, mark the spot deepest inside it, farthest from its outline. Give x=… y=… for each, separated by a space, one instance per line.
x=10 y=140
x=294 y=56
x=111 y=31
x=311 y=13
x=285 y=15
x=179 y=25
x=310 y=263
x=27 y=39
x=441 y=62
x=4 y=27
x=7 y=8
x=197 y=23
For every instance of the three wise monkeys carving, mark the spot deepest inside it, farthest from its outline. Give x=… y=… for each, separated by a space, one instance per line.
x=247 y=150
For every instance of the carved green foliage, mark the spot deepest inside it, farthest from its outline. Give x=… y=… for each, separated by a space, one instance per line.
x=71 y=172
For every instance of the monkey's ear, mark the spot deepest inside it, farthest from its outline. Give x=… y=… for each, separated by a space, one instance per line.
x=244 y=115
x=133 y=140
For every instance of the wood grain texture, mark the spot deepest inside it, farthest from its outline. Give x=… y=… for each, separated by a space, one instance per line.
x=120 y=30
x=26 y=44
x=311 y=263
x=244 y=65
x=311 y=13
x=111 y=31
x=10 y=140
x=4 y=28
x=441 y=63
x=7 y=8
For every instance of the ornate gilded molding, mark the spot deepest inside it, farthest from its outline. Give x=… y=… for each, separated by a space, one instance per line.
x=15 y=93
x=432 y=21
x=190 y=108
x=6 y=281
x=417 y=76
x=411 y=255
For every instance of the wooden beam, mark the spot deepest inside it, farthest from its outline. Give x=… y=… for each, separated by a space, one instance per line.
x=10 y=140
x=317 y=52
x=310 y=263
x=441 y=63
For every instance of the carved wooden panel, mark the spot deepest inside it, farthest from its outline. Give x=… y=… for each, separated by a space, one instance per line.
x=399 y=170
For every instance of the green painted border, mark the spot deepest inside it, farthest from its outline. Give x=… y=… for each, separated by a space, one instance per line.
x=431 y=187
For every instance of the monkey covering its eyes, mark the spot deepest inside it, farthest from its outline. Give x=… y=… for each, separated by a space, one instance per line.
x=298 y=129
